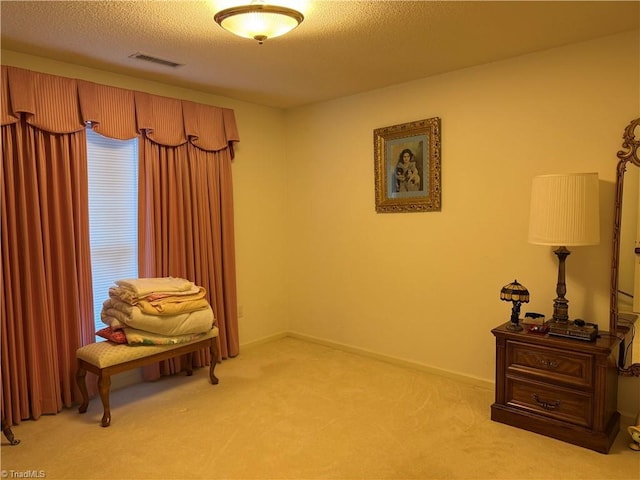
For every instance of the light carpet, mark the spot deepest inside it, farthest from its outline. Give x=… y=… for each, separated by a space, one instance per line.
x=291 y=409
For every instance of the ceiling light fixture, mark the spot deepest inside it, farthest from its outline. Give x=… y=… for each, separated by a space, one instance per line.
x=258 y=21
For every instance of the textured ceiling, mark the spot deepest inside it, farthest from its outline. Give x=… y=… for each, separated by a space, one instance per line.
x=341 y=48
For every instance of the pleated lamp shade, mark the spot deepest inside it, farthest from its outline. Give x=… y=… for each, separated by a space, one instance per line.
x=565 y=210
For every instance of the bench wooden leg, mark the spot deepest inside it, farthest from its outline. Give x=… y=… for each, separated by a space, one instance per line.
x=81 y=380
x=189 y=364
x=6 y=430
x=104 y=386
x=213 y=350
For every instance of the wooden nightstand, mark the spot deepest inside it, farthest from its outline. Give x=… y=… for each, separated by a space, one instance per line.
x=558 y=387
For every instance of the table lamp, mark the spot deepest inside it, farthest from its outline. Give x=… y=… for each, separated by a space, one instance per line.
x=564 y=212
x=518 y=294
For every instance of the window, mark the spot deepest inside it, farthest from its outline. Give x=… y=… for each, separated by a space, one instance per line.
x=113 y=214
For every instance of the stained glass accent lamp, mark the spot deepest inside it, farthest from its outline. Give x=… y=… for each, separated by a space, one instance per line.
x=517 y=294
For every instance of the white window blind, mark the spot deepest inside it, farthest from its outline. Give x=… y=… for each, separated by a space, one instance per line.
x=113 y=214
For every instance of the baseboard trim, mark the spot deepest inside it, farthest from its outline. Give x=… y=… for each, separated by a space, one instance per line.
x=263 y=340
x=478 y=382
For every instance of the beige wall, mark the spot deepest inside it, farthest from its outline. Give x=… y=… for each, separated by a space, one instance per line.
x=424 y=287
x=314 y=258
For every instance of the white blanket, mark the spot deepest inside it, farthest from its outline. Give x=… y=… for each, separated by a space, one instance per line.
x=142 y=287
x=181 y=324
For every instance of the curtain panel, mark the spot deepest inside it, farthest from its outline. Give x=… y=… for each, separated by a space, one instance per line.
x=185 y=215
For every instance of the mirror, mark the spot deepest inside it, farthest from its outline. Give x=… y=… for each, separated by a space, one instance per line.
x=625 y=263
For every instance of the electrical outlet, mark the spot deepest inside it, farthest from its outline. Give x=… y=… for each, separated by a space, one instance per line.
x=240 y=311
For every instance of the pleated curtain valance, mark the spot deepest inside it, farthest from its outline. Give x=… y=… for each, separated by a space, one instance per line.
x=64 y=105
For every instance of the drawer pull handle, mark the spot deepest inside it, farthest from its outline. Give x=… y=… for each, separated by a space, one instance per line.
x=546 y=405
x=548 y=363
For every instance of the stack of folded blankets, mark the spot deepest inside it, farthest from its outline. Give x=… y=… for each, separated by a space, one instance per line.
x=156 y=311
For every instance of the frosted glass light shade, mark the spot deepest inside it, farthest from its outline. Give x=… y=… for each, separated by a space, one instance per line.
x=565 y=210
x=259 y=21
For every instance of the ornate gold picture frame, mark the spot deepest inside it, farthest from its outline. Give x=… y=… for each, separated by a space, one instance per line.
x=407 y=167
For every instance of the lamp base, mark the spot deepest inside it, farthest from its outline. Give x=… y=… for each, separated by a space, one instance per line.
x=561 y=304
x=515 y=327
x=515 y=317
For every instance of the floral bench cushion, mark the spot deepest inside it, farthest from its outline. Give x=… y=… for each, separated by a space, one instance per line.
x=106 y=354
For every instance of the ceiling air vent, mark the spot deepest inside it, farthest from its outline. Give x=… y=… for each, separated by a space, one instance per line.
x=149 y=58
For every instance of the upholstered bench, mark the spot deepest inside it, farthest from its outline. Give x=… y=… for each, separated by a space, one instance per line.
x=108 y=358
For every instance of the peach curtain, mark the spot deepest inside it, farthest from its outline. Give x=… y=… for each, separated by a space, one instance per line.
x=186 y=216
x=186 y=220
x=47 y=310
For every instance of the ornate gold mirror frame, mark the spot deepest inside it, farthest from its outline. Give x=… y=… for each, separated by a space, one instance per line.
x=627 y=156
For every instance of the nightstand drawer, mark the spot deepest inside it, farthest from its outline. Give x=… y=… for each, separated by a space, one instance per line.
x=550 y=364
x=562 y=404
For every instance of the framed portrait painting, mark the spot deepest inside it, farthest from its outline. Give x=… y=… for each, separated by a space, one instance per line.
x=407 y=167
